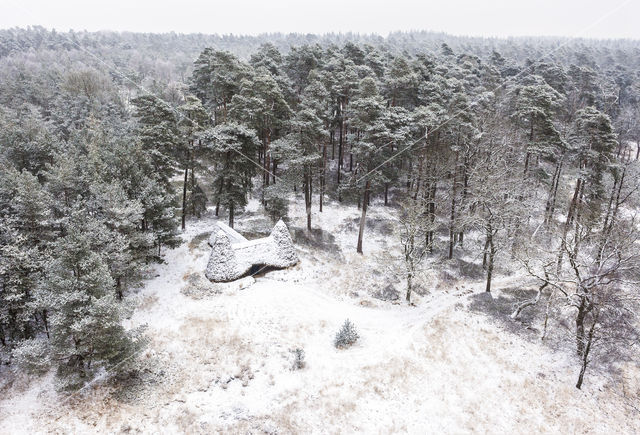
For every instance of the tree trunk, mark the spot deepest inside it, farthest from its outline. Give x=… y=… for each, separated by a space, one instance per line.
x=273 y=175
x=551 y=200
x=365 y=200
x=231 y=216
x=465 y=192
x=193 y=186
x=322 y=174
x=583 y=369
x=340 y=143
x=451 y=223
x=119 y=288
x=45 y=321
x=386 y=194
x=580 y=316
x=567 y=224
x=219 y=193
x=307 y=195
x=418 y=179
x=267 y=161
x=491 y=257
x=184 y=197
x=452 y=214
x=528 y=157
x=546 y=316
x=530 y=302
x=526 y=163
x=432 y=214
x=350 y=157
x=587 y=351
x=333 y=143
x=612 y=213
x=224 y=113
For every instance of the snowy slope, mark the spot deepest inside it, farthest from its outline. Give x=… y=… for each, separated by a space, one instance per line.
x=222 y=363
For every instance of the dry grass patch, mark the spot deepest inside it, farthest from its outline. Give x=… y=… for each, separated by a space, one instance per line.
x=148 y=301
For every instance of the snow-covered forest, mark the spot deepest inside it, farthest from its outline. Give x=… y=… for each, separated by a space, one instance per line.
x=464 y=210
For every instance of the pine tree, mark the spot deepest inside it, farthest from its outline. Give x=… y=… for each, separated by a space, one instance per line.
x=299 y=62
x=127 y=254
x=233 y=148
x=269 y=57
x=261 y=104
x=341 y=80
x=159 y=135
x=161 y=142
x=26 y=142
x=593 y=144
x=21 y=267
x=195 y=119
x=308 y=138
x=373 y=147
x=216 y=79
x=276 y=202
x=86 y=318
x=401 y=83
x=25 y=233
x=534 y=109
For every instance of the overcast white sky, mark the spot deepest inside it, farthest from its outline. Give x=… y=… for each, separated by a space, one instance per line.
x=582 y=18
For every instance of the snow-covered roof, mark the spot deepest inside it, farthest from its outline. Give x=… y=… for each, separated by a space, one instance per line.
x=233 y=256
x=233 y=235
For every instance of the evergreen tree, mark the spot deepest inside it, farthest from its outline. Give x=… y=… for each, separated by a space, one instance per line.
x=308 y=133
x=159 y=135
x=401 y=83
x=217 y=77
x=593 y=143
x=195 y=119
x=161 y=142
x=261 y=104
x=534 y=110
x=86 y=318
x=233 y=147
x=373 y=147
x=25 y=233
x=25 y=142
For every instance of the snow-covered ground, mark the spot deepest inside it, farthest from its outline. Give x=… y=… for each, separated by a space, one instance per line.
x=222 y=362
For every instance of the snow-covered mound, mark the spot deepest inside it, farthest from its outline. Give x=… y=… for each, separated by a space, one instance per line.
x=232 y=256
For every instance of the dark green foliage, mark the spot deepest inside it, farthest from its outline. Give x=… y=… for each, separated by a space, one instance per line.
x=594 y=143
x=25 y=231
x=298 y=359
x=85 y=328
x=276 y=201
x=232 y=147
x=159 y=135
x=347 y=336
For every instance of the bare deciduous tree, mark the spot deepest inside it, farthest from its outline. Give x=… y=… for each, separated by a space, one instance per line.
x=414 y=225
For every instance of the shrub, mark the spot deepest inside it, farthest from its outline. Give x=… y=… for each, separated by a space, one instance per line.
x=277 y=204
x=346 y=336
x=33 y=355
x=298 y=359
